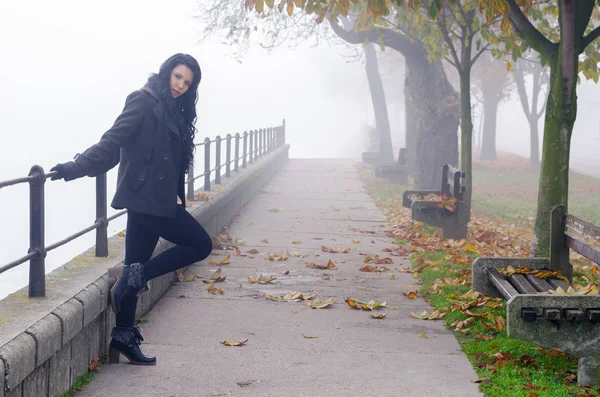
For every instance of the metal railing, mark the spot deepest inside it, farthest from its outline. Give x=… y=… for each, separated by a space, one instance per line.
x=255 y=144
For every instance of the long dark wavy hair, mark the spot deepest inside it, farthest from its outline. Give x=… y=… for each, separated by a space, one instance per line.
x=182 y=109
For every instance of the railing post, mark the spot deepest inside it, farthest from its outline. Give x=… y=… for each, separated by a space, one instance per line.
x=283 y=134
x=255 y=152
x=260 y=140
x=228 y=157
x=218 y=160
x=37 y=264
x=236 y=166
x=271 y=138
x=190 y=183
x=206 y=164
x=251 y=151
x=101 y=216
x=245 y=150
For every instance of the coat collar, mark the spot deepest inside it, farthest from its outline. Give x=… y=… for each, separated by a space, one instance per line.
x=161 y=113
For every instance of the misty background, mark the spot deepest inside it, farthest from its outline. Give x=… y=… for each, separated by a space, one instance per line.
x=67 y=67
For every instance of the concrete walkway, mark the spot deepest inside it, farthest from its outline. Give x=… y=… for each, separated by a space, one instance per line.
x=353 y=354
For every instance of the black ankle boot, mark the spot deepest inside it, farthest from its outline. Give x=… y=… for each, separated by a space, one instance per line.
x=126 y=341
x=132 y=281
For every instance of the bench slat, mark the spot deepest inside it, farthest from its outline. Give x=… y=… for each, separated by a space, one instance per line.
x=582 y=227
x=503 y=286
x=555 y=282
x=521 y=283
x=539 y=284
x=577 y=245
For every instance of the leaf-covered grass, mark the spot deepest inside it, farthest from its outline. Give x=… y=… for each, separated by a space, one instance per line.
x=503 y=212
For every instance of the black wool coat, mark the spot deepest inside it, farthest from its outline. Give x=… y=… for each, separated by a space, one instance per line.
x=148 y=147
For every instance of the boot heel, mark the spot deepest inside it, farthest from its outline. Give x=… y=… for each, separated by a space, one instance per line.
x=114 y=356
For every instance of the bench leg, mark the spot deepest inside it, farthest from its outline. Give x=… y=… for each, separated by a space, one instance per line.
x=588 y=372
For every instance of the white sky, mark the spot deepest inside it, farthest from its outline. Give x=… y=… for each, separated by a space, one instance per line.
x=67 y=66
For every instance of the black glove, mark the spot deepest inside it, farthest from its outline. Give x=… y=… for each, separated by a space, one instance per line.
x=67 y=171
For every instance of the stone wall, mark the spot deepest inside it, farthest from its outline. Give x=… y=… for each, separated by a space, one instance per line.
x=46 y=343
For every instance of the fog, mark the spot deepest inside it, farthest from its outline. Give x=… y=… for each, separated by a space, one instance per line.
x=68 y=65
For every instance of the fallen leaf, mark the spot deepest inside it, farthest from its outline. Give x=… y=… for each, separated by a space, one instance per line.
x=182 y=278
x=253 y=251
x=180 y=296
x=373 y=269
x=335 y=250
x=436 y=315
x=309 y=336
x=317 y=238
x=355 y=241
x=121 y=234
x=279 y=256
x=379 y=316
x=410 y=294
x=329 y=265
x=274 y=210
x=202 y=197
x=422 y=335
x=264 y=240
x=261 y=279
x=214 y=278
x=225 y=261
x=289 y=297
x=361 y=305
x=296 y=242
x=317 y=304
x=376 y=259
x=481 y=380
x=234 y=343
x=220 y=189
x=94 y=365
x=213 y=290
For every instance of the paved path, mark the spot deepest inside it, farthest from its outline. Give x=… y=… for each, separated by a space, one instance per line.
x=354 y=355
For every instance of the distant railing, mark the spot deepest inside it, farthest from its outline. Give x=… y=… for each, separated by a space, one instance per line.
x=255 y=144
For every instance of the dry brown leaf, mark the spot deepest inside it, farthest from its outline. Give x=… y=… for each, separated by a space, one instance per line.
x=234 y=343
x=328 y=266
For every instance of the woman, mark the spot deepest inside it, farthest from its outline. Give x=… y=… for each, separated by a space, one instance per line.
x=153 y=140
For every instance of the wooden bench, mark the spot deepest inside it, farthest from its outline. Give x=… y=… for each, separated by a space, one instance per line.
x=396 y=173
x=568 y=323
x=453 y=222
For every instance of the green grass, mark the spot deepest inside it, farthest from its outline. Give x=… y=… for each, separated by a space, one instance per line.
x=513 y=196
x=80 y=382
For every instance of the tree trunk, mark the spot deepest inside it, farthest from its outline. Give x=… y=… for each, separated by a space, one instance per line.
x=466 y=131
x=437 y=116
x=382 y=123
x=534 y=143
x=488 y=141
x=411 y=128
x=560 y=117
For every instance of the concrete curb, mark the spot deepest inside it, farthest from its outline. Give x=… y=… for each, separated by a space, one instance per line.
x=48 y=343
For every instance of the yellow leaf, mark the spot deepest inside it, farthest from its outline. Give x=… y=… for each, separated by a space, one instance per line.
x=121 y=234
x=309 y=336
x=422 y=335
x=225 y=261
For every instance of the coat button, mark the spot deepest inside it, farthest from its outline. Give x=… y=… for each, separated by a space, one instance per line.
x=160 y=176
x=167 y=137
x=141 y=177
x=166 y=157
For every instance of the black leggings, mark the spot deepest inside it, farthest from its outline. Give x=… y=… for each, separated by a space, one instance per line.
x=193 y=244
